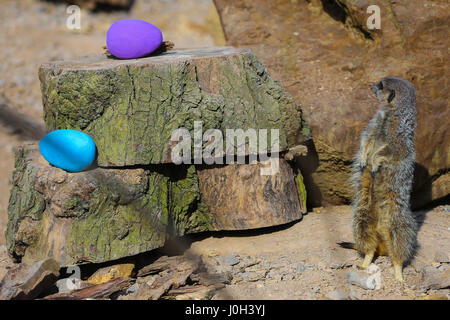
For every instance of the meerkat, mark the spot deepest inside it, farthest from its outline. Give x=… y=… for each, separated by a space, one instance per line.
x=383 y=175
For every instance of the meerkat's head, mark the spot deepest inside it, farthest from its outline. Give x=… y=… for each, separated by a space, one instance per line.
x=395 y=91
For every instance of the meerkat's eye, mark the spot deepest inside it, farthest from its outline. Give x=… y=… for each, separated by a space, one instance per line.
x=391 y=96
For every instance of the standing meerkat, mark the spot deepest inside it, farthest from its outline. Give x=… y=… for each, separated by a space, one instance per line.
x=383 y=175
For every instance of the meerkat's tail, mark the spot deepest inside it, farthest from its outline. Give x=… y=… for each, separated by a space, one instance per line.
x=347 y=245
x=381 y=249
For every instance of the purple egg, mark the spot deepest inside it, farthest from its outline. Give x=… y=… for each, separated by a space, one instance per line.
x=131 y=39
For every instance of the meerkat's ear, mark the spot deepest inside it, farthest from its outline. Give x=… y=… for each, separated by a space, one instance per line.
x=391 y=96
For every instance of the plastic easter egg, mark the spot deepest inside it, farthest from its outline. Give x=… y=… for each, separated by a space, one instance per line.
x=70 y=150
x=132 y=39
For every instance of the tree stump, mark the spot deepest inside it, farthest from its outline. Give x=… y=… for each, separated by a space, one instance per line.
x=131 y=107
x=136 y=198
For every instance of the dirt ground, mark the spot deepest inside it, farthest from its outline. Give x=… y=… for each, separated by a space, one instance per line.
x=34 y=32
x=302 y=261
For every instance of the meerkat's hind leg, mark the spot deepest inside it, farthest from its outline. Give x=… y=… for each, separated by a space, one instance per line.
x=398 y=270
x=367 y=260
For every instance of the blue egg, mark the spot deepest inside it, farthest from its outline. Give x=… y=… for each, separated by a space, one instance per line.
x=70 y=150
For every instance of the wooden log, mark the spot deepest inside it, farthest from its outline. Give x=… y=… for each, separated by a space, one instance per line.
x=239 y=197
x=96 y=215
x=97 y=291
x=131 y=107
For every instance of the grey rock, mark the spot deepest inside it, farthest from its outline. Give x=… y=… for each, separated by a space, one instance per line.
x=69 y=284
x=358 y=280
x=337 y=295
x=300 y=267
x=431 y=278
x=132 y=289
x=441 y=257
x=354 y=295
x=232 y=260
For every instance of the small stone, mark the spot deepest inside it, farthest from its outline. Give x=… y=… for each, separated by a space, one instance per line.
x=110 y=273
x=300 y=267
x=337 y=295
x=315 y=290
x=354 y=295
x=441 y=257
x=360 y=281
x=69 y=284
x=232 y=260
x=132 y=289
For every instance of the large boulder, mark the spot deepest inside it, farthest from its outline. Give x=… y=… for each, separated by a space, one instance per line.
x=323 y=53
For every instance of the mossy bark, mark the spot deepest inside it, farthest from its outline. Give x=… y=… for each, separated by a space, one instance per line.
x=131 y=108
x=98 y=215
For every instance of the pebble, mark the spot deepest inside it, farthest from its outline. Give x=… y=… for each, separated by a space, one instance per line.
x=360 y=281
x=300 y=267
x=441 y=257
x=337 y=295
x=232 y=260
x=354 y=295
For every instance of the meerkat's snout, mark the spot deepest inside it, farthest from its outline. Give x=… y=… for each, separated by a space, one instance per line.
x=376 y=86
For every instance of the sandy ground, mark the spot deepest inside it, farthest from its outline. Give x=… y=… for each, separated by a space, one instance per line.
x=303 y=261
x=34 y=32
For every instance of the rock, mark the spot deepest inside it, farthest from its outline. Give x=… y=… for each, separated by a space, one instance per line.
x=318 y=51
x=112 y=272
x=29 y=281
x=300 y=268
x=70 y=284
x=431 y=278
x=165 y=263
x=354 y=295
x=336 y=295
x=360 y=281
x=264 y=200
x=97 y=215
x=254 y=275
x=212 y=279
x=70 y=150
x=232 y=260
x=193 y=293
x=109 y=99
x=441 y=257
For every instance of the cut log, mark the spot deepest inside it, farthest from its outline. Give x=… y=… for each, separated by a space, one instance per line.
x=105 y=214
x=239 y=197
x=28 y=281
x=96 y=215
x=131 y=107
